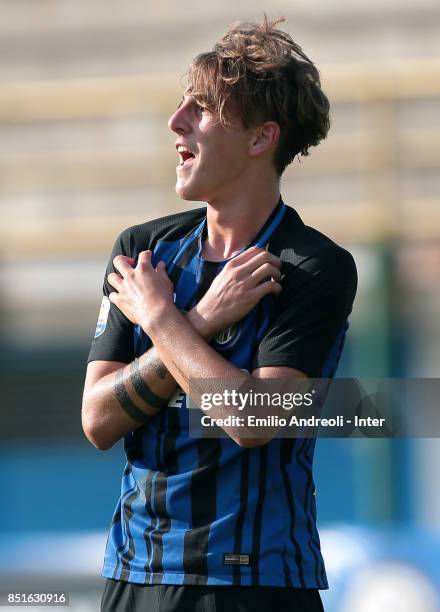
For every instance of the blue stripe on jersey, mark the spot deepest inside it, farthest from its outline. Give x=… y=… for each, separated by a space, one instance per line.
x=186 y=287
x=137 y=340
x=222 y=533
x=133 y=568
x=184 y=246
x=165 y=251
x=270 y=562
x=262 y=239
x=117 y=542
x=113 y=543
x=163 y=527
x=243 y=574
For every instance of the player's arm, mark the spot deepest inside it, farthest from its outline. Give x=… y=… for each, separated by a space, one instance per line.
x=119 y=397
x=121 y=393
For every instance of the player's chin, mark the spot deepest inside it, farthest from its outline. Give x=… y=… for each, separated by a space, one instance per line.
x=183 y=195
x=187 y=192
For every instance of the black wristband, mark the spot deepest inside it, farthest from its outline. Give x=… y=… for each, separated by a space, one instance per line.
x=126 y=402
x=142 y=389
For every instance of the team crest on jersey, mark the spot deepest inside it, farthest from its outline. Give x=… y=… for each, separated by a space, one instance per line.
x=103 y=316
x=227 y=337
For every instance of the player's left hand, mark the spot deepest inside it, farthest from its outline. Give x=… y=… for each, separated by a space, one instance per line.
x=142 y=292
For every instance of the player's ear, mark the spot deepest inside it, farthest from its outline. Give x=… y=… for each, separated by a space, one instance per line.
x=263 y=138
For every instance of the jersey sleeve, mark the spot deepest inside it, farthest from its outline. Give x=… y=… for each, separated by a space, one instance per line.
x=113 y=339
x=311 y=313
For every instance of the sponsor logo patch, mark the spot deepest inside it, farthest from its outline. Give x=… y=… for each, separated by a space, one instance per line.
x=103 y=316
x=236 y=559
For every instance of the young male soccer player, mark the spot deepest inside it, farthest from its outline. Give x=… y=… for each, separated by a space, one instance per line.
x=240 y=289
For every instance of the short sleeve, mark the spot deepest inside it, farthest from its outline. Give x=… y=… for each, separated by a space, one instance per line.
x=311 y=313
x=113 y=339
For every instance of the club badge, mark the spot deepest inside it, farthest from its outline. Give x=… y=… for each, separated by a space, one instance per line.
x=227 y=337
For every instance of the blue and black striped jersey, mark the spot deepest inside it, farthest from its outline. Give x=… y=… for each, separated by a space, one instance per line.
x=206 y=511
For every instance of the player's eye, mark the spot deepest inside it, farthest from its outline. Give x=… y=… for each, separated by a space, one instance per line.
x=181 y=102
x=199 y=108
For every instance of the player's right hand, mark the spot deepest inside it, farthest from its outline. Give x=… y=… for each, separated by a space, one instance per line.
x=241 y=284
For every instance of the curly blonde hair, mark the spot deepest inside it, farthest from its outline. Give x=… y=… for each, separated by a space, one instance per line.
x=269 y=78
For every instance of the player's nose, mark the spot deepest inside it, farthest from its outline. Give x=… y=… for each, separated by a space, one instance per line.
x=178 y=122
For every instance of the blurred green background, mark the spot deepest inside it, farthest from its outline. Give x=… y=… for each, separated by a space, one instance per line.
x=86 y=89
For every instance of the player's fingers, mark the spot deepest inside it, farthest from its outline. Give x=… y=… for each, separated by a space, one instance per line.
x=122 y=264
x=113 y=297
x=115 y=280
x=145 y=257
x=265 y=272
x=246 y=255
x=257 y=261
x=144 y=263
x=161 y=268
x=265 y=288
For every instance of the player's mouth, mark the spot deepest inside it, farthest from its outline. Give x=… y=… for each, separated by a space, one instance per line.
x=186 y=156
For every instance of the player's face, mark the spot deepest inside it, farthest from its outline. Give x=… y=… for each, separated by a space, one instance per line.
x=212 y=159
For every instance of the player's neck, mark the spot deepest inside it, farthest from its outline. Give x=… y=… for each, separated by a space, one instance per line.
x=235 y=222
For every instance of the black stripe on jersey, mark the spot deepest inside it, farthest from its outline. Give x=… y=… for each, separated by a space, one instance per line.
x=287 y=447
x=209 y=272
x=159 y=521
x=129 y=555
x=116 y=518
x=133 y=446
x=160 y=433
x=167 y=464
x=238 y=538
x=203 y=508
x=150 y=513
x=308 y=503
x=287 y=578
x=256 y=539
x=163 y=526
x=153 y=520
